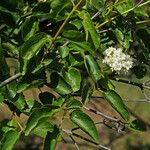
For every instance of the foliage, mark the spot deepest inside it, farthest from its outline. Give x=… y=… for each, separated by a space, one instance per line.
x=60 y=44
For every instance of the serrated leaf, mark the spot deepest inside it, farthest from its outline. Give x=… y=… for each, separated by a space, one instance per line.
x=92 y=67
x=9 y=140
x=37 y=115
x=42 y=129
x=73 y=78
x=59 y=85
x=116 y=102
x=51 y=139
x=90 y=28
x=138 y=125
x=85 y=123
x=31 y=47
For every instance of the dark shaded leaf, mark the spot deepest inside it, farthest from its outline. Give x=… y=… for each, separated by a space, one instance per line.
x=46 y=97
x=138 y=125
x=51 y=139
x=59 y=85
x=87 y=92
x=29 y=28
x=31 y=47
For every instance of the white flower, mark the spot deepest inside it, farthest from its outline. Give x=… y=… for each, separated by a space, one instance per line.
x=117 y=60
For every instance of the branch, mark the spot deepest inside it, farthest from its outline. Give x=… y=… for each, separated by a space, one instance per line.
x=85 y=139
x=76 y=145
x=140 y=85
x=101 y=114
x=113 y=18
x=7 y=81
x=64 y=23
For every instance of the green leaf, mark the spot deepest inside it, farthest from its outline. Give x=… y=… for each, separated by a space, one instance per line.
x=92 y=67
x=85 y=123
x=22 y=86
x=73 y=78
x=90 y=28
x=42 y=9
x=19 y=101
x=59 y=85
x=45 y=63
x=1 y=98
x=10 y=140
x=11 y=5
x=141 y=12
x=31 y=47
x=37 y=115
x=7 y=125
x=87 y=92
x=11 y=48
x=74 y=35
x=63 y=51
x=29 y=28
x=125 y=6
x=138 y=125
x=7 y=17
x=42 y=128
x=116 y=102
x=73 y=103
x=140 y=71
x=57 y=6
x=81 y=47
x=51 y=139
x=59 y=102
x=77 y=23
x=144 y=37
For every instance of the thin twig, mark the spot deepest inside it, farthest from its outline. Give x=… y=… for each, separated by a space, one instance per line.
x=113 y=18
x=85 y=139
x=9 y=80
x=64 y=23
x=76 y=145
x=101 y=114
x=99 y=12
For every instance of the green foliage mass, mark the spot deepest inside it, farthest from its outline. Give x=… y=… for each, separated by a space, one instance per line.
x=60 y=44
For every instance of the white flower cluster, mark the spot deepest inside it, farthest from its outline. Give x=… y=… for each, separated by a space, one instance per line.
x=117 y=60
